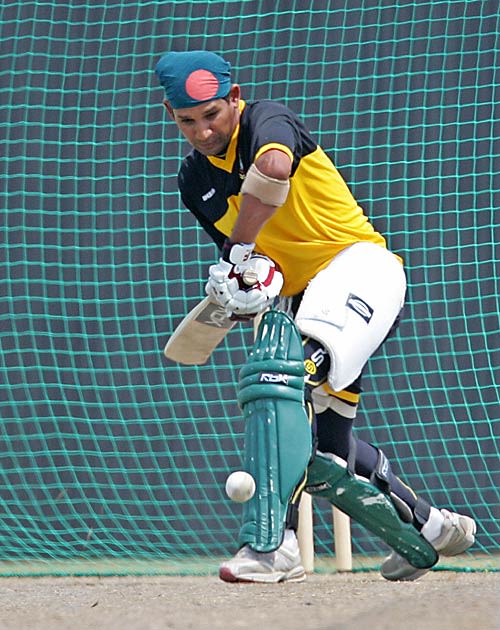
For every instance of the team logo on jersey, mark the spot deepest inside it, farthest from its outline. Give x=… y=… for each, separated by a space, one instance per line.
x=208 y=195
x=360 y=307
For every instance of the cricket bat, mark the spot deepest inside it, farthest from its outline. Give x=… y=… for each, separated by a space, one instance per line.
x=198 y=334
x=202 y=330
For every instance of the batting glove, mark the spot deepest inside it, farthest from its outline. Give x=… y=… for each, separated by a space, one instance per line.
x=266 y=286
x=225 y=277
x=243 y=283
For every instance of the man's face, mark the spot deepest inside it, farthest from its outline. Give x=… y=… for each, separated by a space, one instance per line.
x=208 y=127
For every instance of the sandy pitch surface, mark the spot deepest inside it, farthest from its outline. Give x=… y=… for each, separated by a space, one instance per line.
x=441 y=600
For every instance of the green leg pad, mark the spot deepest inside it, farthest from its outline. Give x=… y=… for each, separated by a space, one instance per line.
x=370 y=507
x=277 y=433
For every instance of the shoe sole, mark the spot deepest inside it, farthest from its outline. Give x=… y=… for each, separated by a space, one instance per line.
x=410 y=577
x=296 y=575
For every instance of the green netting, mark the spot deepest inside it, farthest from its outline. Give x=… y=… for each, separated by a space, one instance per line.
x=109 y=455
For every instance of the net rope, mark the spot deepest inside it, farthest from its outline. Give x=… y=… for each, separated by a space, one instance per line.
x=115 y=458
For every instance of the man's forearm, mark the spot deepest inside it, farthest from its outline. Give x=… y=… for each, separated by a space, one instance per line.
x=251 y=219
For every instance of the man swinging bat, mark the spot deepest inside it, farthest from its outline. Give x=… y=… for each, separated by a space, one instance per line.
x=274 y=202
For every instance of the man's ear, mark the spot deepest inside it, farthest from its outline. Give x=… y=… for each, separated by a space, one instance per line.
x=169 y=109
x=235 y=95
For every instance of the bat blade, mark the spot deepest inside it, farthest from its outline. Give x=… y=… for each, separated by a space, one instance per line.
x=198 y=334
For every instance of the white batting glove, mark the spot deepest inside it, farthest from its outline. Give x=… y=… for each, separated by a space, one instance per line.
x=266 y=286
x=220 y=287
x=245 y=284
x=224 y=278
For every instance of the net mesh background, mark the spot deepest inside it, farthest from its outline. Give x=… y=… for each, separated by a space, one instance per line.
x=107 y=450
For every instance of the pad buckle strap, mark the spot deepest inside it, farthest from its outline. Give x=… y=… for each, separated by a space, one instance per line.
x=292 y=517
x=380 y=476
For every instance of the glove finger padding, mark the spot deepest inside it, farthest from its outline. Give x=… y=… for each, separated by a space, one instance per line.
x=257 y=297
x=277 y=430
x=246 y=288
x=221 y=286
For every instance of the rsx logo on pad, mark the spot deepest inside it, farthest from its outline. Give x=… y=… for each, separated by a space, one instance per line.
x=269 y=377
x=360 y=307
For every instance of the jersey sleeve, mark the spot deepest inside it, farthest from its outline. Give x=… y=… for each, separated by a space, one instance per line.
x=272 y=127
x=217 y=237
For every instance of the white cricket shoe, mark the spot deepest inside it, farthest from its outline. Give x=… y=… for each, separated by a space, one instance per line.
x=457 y=534
x=282 y=565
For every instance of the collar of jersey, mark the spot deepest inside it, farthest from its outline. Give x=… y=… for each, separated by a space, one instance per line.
x=226 y=163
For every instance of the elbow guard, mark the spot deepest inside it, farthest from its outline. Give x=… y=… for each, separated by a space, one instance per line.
x=268 y=190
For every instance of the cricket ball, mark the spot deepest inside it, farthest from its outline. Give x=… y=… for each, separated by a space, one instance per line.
x=240 y=486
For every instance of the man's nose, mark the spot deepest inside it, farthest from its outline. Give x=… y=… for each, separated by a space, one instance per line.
x=204 y=133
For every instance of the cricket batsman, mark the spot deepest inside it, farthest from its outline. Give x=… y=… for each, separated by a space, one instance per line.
x=272 y=200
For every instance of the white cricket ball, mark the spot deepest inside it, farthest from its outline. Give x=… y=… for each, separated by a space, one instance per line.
x=240 y=486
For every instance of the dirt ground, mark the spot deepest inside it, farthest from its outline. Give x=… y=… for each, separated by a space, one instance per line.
x=441 y=600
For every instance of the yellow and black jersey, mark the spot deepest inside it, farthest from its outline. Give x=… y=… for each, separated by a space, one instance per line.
x=320 y=216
